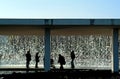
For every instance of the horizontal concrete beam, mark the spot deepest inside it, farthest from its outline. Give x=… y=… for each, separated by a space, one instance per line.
x=60 y=22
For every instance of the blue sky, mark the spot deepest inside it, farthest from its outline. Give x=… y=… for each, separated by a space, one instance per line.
x=60 y=9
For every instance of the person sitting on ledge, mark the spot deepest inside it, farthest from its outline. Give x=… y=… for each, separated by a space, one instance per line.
x=61 y=60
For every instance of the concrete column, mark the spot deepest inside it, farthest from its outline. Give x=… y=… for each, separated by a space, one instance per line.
x=47 y=50
x=115 y=51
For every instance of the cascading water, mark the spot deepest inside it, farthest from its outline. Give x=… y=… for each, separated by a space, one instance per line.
x=92 y=51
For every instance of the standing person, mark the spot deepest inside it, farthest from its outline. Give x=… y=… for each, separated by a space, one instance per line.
x=36 y=60
x=0 y=58
x=72 y=59
x=61 y=60
x=28 y=59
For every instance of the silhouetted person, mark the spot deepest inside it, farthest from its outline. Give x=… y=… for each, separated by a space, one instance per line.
x=52 y=63
x=36 y=60
x=28 y=58
x=72 y=59
x=0 y=58
x=61 y=60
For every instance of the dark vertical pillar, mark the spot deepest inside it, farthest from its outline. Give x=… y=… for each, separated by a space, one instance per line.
x=115 y=51
x=47 y=50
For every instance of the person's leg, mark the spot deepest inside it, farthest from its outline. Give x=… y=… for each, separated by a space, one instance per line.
x=36 y=64
x=27 y=64
x=61 y=66
x=72 y=64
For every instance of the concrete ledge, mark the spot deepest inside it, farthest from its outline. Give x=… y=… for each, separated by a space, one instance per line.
x=59 y=21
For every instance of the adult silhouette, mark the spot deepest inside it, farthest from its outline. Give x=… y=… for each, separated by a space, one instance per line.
x=72 y=59
x=61 y=60
x=36 y=60
x=28 y=59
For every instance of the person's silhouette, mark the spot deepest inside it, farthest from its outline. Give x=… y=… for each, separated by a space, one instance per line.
x=72 y=61
x=28 y=58
x=61 y=60
x=52 y=63
x=36 y=60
